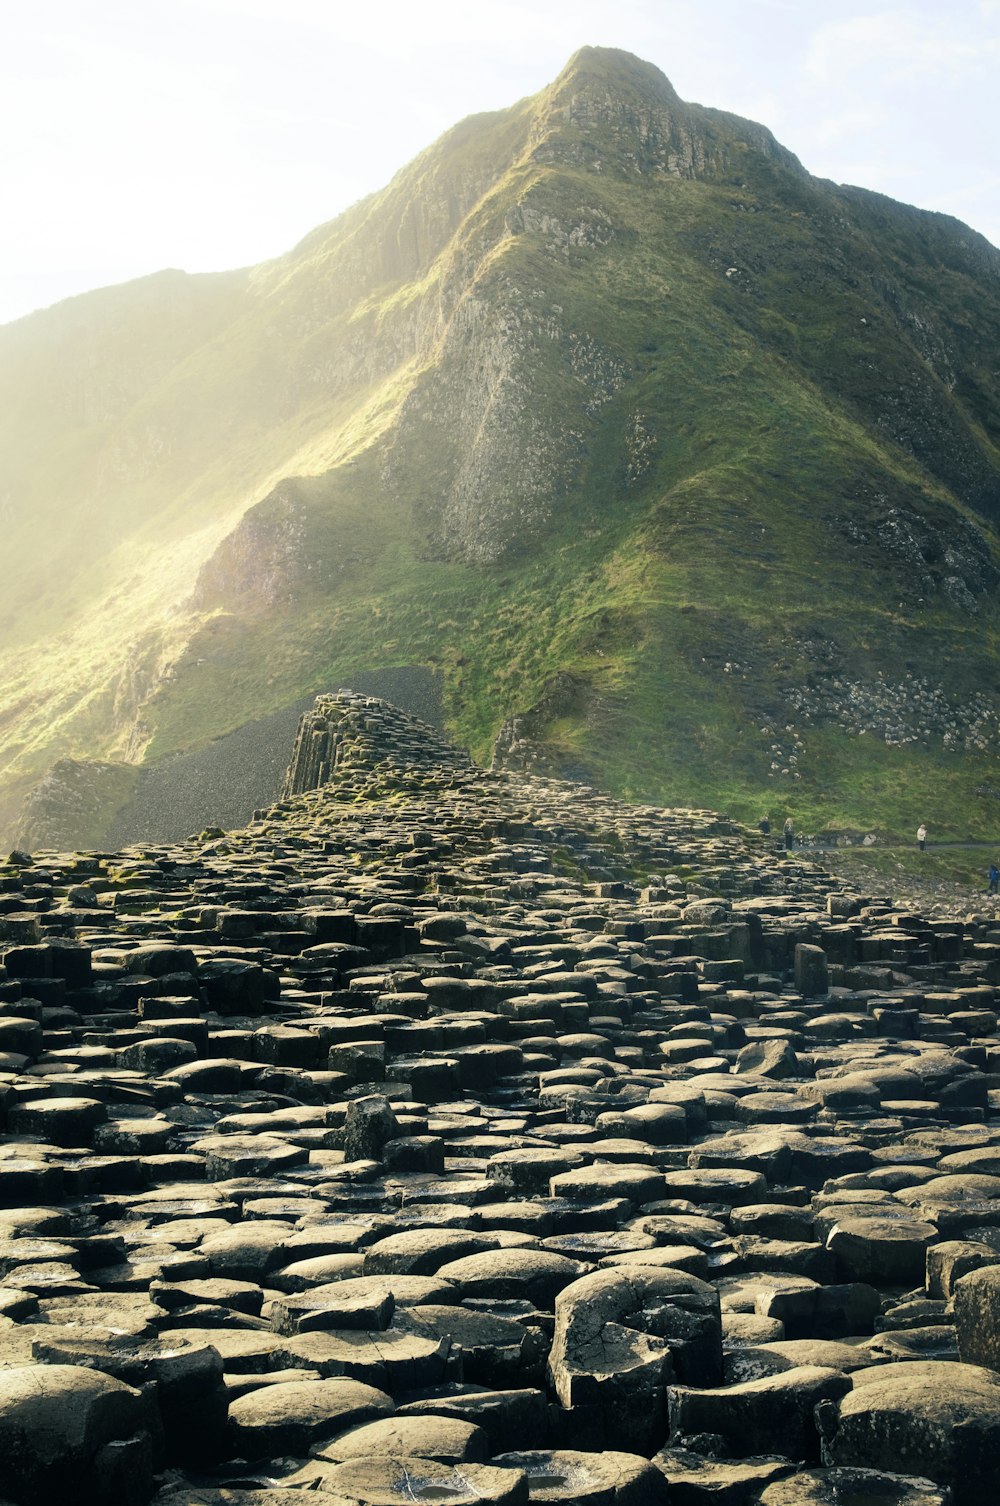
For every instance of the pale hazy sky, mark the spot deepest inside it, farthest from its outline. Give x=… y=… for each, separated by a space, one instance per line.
x=207 y=134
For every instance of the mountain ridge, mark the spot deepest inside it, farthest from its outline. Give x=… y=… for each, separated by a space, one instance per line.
x=603 y=391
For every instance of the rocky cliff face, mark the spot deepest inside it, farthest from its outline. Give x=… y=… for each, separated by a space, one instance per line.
x=604 y=390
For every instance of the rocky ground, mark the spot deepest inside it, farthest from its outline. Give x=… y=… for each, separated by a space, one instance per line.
x=933 y=895
x=461 y=1137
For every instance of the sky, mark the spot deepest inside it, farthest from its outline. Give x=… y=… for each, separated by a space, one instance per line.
x=209 y=134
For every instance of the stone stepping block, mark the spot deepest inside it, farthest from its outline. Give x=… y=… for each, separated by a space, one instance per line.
x=363 y=1302
x=752 y=1361
x=291 y=1418
x=565 y=1477
x=951 y=1259
x=445 y=1439
x=241 y=1385
x=938 y=1418
x=239 y=1296
x=729 y=1185
x=400 y=1481
x=51 y=1278
x=159 y=960
x=175 y=1237
x=853 y=1487
x=117 y=1312
x=809 y=1310
x=495 y=1351
x=882 y=1251
x=639 y=1184
x=262 y=1155
x=580 y=1103
x=405 y=1357
x=773 y=1059
x=508 y=1418
x=158 y=1054
x=774 y=1108
x=179 y=1200
x=303 y=1275
x=530 y=1170
x=391 y=1361
x=72 y=1434
x=984 y=1160
x=20 y=1037
x=422 y=1252
x=697 y=1480
x=245 y=1251
x=619 y=1151
x=774 y=1413
x=186 y=1378
x=216 y=1074
x=57 y=1121
x=420 y=1153
x=535 y=1275
x=341 y=1235
x=520 y=1216
x=830 y=1209
x=595 y=1246
x=656 y=1123
x=955 y=1188
x=133 y=1137
x=935 y=1342
x=17 y=1305
x=672 y=1257
x=286 y=1046
x=244 y=1351
x=977 y=1316
x=297 y=1205
x=16 y=1254
x=684 y=1096
x=797 y=1257
x=682 y=1228
x=25 y=1179
x=773 y=1221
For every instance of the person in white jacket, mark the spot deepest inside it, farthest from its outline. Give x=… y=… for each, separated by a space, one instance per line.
x=921 y=836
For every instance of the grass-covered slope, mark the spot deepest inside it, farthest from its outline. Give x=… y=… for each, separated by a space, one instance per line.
x=680 y=465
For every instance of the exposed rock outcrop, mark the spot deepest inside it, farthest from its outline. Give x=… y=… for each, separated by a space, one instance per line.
x=460 y=1135
x=347 y=732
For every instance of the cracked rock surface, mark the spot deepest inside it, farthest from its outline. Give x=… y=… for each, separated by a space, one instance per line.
x=459 y=1136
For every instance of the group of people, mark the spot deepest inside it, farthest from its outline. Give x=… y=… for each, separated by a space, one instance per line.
x=787 y=831
x=788 y=834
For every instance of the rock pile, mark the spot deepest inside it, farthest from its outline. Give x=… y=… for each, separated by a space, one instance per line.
x=462 y=1137
x=351 y=732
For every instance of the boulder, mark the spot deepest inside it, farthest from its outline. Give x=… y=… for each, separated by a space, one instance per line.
x=937 y=1419
x=620 y=1333
x=72 y=1434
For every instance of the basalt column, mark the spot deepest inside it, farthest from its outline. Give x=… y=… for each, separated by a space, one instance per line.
x=354 y=730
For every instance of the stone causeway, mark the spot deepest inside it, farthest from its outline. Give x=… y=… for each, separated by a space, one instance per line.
x=467 y=1137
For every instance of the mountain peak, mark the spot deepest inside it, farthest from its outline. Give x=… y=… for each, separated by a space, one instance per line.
x=612 y=110
x=611 y=68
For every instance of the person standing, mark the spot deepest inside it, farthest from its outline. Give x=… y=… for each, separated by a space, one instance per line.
x=764 y=826
x=994 y=877
x=788 y=831
x=921 y=836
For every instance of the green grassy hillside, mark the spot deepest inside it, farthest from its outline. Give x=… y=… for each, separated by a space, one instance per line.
x=681 y=466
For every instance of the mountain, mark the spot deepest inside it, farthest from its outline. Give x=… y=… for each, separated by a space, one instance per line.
x=674 y=468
